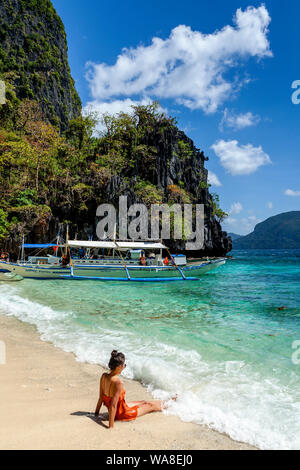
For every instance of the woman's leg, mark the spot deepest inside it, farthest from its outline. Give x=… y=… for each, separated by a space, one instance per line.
x=136 y=403
x=149 y=407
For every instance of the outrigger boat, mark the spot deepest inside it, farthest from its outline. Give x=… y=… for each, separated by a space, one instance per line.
x=123 y=265
x=9 y=277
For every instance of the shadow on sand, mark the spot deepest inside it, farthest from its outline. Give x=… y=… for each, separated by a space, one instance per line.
x=99 y=420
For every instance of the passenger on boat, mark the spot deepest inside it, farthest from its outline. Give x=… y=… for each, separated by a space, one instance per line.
x=65 y=259
x=166 y=261
x=143 y=261
x=112 y=395
x=4 y=256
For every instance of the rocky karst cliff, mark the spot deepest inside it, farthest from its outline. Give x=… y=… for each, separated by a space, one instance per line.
x=34 y=57
x=145 y=157
x=54 y=171
x=174 y=173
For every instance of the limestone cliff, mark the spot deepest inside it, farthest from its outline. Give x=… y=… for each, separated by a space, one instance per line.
x=179 y=176
x=49 y=178
x=34 y=56
x=161 y=166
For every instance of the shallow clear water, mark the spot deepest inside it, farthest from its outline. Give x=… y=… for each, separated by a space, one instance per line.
x=220 y=343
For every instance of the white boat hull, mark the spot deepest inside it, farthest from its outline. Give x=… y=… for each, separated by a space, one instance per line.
x=112 y=272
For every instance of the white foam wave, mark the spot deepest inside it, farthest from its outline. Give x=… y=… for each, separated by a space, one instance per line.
x=228 y=396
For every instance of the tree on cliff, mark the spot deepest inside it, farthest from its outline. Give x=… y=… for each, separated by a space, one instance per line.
x=142 y=154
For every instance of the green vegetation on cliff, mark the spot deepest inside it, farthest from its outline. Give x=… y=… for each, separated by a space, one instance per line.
x=52 y=167
x=47 y=177
x=34 y=58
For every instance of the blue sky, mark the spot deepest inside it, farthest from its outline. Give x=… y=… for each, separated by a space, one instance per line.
x=223 y=69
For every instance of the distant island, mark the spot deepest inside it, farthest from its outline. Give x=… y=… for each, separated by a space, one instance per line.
x=234 y=236
x=281 y=231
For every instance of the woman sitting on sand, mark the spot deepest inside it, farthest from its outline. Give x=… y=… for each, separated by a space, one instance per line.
x=112 y=394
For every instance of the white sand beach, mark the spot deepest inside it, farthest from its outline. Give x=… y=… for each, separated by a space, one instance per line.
x=47 y=400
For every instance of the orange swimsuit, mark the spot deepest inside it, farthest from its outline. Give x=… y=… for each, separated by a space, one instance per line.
x=124 y=412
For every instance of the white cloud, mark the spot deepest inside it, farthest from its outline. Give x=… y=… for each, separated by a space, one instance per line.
x=113 y=107
x=241 y=226
x=188 y=66
x=213 y=179
x=238 y=121
x=248 y=223
x=290 y=192
x=240 y=159
x=236 y=208
x=230 y=221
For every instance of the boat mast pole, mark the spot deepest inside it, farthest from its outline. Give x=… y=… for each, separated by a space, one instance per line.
x=22 y=252
x=115 y=235
x=67 y=241
x=58 y=236
x=57 y=240
x=69 y=251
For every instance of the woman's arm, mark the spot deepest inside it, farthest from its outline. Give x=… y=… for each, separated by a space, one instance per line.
x=114 y=402
x=100 y=401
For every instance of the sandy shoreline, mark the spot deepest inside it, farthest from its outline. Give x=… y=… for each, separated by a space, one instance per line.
x=47 y=399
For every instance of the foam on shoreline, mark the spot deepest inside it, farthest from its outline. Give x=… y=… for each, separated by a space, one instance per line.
x=208 y=401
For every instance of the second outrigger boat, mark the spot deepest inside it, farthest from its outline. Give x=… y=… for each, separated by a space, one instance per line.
x=130 y=261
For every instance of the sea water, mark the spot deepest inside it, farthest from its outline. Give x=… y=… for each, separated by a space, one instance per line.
x=224 y=344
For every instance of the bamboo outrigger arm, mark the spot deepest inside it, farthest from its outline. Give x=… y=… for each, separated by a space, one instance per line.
x=175 y=264
x=123 y=261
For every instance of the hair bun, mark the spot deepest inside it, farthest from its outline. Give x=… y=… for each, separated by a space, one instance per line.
x=116 y=359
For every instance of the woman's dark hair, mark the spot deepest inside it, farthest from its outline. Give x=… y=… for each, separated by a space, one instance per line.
x=116 y=359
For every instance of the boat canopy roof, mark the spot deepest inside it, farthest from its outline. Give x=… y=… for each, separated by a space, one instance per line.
x=139 y=245
x=91 y=244
x=36 y=246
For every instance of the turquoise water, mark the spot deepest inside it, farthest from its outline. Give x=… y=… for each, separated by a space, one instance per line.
x=221 y=344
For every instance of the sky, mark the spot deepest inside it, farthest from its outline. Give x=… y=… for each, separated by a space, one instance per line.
x=224 y=69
